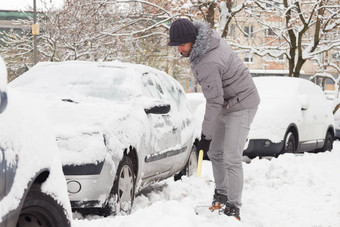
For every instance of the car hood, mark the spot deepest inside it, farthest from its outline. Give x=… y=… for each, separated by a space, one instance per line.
x=86 y=129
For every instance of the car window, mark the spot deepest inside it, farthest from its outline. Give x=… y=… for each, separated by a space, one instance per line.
x=152 y=86
x=175 y=93
x=78 y=79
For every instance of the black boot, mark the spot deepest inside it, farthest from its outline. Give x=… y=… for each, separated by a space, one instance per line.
x=218 y=202
x=220 y=198
x=232 y=210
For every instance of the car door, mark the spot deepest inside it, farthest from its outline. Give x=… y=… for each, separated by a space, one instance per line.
x=163 y=133
x=311 y=125
x=184 y=119
x=322 y=112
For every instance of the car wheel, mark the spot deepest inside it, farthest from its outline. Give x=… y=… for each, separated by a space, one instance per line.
x=40 y=209
x=191 y=166
x=289 y=145
x=124 y=186
x=328 y=146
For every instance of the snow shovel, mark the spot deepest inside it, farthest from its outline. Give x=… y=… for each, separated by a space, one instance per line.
x=199 y=163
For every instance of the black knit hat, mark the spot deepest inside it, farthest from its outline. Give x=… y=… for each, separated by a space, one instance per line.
x=182 y=31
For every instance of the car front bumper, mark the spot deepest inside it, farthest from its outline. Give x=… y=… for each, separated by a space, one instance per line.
x=89 y=185
x=262 y=147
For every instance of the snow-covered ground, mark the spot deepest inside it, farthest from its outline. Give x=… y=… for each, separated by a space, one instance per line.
x=291 y=190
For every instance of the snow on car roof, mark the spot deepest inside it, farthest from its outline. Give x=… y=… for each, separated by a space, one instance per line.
x=110 y=80
x=269 y=84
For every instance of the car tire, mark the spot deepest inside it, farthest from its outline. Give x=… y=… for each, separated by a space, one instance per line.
x=191 y=166
x=289 y=145
x=328 y=146
x=123 y=190
x=40 y=209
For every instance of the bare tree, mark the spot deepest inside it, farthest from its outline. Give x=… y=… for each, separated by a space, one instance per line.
x=298 y=29
x=94 y=30
x=218 y=14
x=17 y=50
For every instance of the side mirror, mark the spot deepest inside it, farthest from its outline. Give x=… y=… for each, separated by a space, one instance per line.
x=158 y=109
x=304 y=107
x=304 y=102
x=3 y=101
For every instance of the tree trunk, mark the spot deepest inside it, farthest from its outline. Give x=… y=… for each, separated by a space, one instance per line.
x=298 y=66
x=229 y=4
x=211 y=14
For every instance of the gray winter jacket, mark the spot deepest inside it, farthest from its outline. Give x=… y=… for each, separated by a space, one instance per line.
x=226 y=82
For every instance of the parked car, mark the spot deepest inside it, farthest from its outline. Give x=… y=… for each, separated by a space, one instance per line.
x=293 y=116
x=328 y=84
x=330 y=87
x=119 y=126
x=32 y=186
x=337 y=123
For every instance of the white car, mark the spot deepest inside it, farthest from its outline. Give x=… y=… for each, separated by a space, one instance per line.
x=32 y=186
x=119 y=126
x=337 y=125
x=293 y=116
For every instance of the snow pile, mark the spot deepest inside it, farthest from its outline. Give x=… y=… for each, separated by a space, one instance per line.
x=291 y=190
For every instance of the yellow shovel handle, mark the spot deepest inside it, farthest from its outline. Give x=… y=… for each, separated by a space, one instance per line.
x=199 y=163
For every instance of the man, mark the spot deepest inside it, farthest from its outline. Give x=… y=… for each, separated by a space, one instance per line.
x=231 y=104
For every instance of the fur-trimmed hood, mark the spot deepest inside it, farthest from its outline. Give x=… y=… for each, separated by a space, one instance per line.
x=206 y=40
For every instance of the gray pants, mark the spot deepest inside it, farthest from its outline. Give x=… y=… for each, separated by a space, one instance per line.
x=225 y=152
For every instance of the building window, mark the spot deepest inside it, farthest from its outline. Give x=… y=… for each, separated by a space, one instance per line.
x=248 y=31
x=248 y=58
x=336 y=56
x=276 y=58
x=232 y=30
x=316 y=59
x=269 y=32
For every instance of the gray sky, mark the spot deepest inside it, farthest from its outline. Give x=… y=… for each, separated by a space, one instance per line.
x=26 y=4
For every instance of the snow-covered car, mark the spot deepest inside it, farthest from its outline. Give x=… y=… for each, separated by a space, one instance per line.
x=337 y=124
x=293 y=116
x=329 y=85
x=33 y=189
x=119 y=126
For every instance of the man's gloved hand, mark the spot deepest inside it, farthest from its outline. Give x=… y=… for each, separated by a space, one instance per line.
x=203 y=144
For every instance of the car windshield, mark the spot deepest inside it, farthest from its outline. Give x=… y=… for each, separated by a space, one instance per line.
x=111 y=82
